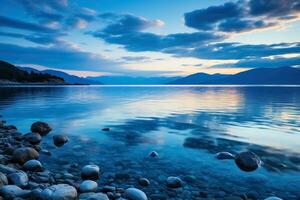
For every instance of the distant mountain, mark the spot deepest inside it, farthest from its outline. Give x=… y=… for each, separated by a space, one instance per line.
x=129 y=80
x=12 y=74
x=259 y=76
x=71 y=79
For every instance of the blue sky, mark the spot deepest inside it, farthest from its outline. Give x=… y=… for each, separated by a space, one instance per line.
x=150 y=37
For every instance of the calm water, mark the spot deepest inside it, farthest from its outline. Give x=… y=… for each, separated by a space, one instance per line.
x=185 y=125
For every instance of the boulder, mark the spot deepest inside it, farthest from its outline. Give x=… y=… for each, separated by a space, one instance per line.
x=90 y=172
x=33 y=166
x=59 y=192
x=33 y=138
x=3 y=179
x=19 y=179
x=93 y=196
x=224 y=156
x=135 y=194
x=247 y=161
x=23 y=154
x=9 y=192
x=60 y=140
x=174 y=182
x=40 y=127
x=88 y=186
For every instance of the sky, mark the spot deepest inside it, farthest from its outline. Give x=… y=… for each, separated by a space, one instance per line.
x=150 y=37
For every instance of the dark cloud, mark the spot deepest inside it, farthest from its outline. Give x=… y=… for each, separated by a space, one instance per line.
x=243 y=15
x=80 y=18
x=18 y=24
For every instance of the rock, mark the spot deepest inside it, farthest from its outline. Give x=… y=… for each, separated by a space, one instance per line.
x=247 y=161
x=233 y=198
x=46 y=152
x=40 y=127
x=23 y=154
x=135 y=194
x=174 y=182
x=9 y=192
x=106 y=129
x=90 y=172
x=108 y=188
x=273 y=198
x=59 y=192
x=88 y=186
x=3 y=179
x=144 y=182
x=33 y=138
x=224 y=156
x=93 y=196
x=33 y=165
x=153 y=154
x=60 y=140
x=6 y=169
x=19 y=179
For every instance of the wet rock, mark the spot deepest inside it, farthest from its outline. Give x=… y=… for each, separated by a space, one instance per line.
x=106 y=129
x=174 y=182
x=153 y=154
x=144 y=182
x=7 y=169
x=90 y=172
x=273 y=198
x=135 y=194
x=88 y=186
x=93 y=196
x=33 y=138
x=45 y=152
x=23 y=154
x=224 y=156
x=59 y=192
x=33 y=165
x=108 y=188
x=9 y=192
x=40 y=127
x=247 y=161
x=233 y=198
x=3 y=179
x=60 y=140
x=19 y=179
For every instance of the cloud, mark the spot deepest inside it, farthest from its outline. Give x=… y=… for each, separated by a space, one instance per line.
x=18 y=24
x=60 y=58
x=135 y=58
x=243 y=15
x=80 y=18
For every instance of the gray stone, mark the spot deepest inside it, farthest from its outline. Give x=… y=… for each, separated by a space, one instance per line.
x=135 y=194
x=90 y=172
x=93 y=196
x=23 y=154
x=60 y=140
x=59 y=192
x=3 y=179
x=224 y=156
x=33 y=138
x=41 y=127
x=88 y=186
x=247 y=161
x=174 y=182
x=33 y=165
x=19 y=179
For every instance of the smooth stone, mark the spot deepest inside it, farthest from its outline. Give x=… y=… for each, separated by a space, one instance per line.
x=273 y=198
x=33 y=165
x=7 y=170
x=174 y=182
x=93 y=196
x=40 y=127
x=33 y=138
x=19 y=179
x=60 y=140
x=144 y=182
x=90 y=172
x=88 y=186
x=23 y=154
x=247 y=161
x=224 y=156
x=135 y=194
x=9 y=192
x=153 y=154
x=3 y=179
x=59 y=192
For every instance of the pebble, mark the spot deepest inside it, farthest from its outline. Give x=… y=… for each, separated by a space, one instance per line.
x=174 y=182
x=33 y=165
x=144 y=182
x=60 y=140
x=88 y=186
x=59 y=192
x=40 y=127
x=9 y=192
x=135 y=194
x=247 y=161
x=90 y=172
x=19 y=179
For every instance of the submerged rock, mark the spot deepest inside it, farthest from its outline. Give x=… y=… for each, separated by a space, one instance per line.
x=90 y=172
x=40 y=127
x=144 y=182
x=224 y=156
x=106 y=129
x=153 y=154
x=33 y=165
x=3 y=179
x=60 y=140
x=88 y=186
x=247 y=161
x=11 y=191
x=23 y=154
x=174 y=182
x=135 y=194
x=33 y=138
x=59 y=192
x=19 y=179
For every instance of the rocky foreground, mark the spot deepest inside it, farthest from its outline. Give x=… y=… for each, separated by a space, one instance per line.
x=22 y=175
